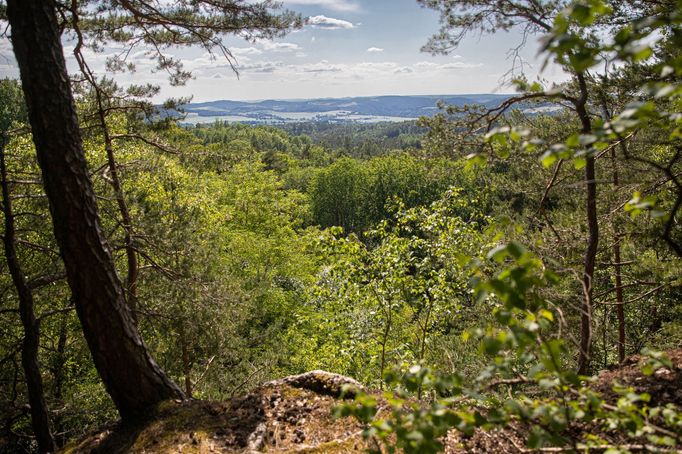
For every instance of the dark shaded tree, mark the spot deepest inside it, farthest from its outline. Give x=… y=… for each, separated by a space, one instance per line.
x=12 y=110
x=130 y=375
x=132 y=378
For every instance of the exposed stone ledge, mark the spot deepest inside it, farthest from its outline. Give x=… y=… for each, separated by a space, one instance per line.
x=321 y=382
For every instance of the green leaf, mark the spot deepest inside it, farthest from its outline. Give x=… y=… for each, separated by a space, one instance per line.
x=499 y=253
x=491 y=345
x=579 y=163
x=516 y=250
x=641 y=53
x=582 y=13
x=548 y=158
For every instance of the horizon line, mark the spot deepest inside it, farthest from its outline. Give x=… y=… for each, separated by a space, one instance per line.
x=351 y=97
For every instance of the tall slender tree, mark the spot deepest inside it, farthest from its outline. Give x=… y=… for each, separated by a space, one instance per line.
x=132 y=378
x=460 y=17
x=11 y=110
x=577 y=41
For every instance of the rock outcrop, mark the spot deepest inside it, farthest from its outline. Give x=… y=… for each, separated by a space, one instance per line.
x=294 y=415
x=289 y=415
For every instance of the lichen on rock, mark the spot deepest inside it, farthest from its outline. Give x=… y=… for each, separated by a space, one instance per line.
x=321 y=382
x=289 y=415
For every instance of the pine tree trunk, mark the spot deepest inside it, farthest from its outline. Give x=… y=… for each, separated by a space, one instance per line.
x=132 y=378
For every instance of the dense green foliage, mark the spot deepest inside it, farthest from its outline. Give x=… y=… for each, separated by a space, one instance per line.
x=442 y=262
x=529 y=352
x=361 y=140
x=238 y=275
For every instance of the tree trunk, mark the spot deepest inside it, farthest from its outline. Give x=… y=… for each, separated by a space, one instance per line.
x=58 y=379
x=131 y=254
x=60 y=359
x=588 y=269
x=589 y=259
x=132 y=378
x=618 y=270
x=126 y=222
x=620 y=309
x=186 y=363
x=40 y=419
x=617 y=236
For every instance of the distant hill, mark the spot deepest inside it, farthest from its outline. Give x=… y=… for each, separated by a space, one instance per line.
x=360 y=109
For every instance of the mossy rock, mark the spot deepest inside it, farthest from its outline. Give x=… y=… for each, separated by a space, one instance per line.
x=290 y=415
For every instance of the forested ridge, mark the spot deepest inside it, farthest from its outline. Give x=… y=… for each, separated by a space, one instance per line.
x=487 y=274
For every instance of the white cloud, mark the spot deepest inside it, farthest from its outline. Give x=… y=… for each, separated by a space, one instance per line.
x=5 y=47
x=329 y=23
x=322 y=67
x=243 y=51
x=9 y=71
x=8 y=65
x=261 y=67
x=459 y=65
x=287 y=76
x=375 y=49
x=431 y=66
x=425 y=65
x=204 y=62
x=278 y=47
x=376 y=67
x=335 y=72
x=336 y=5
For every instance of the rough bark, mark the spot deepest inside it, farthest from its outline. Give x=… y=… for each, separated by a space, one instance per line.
x=40 y=419
x=132 y=378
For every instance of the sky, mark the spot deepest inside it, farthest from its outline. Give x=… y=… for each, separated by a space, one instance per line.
x=348 y=48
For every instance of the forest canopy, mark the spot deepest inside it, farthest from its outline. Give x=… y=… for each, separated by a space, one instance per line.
x=475 y=270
